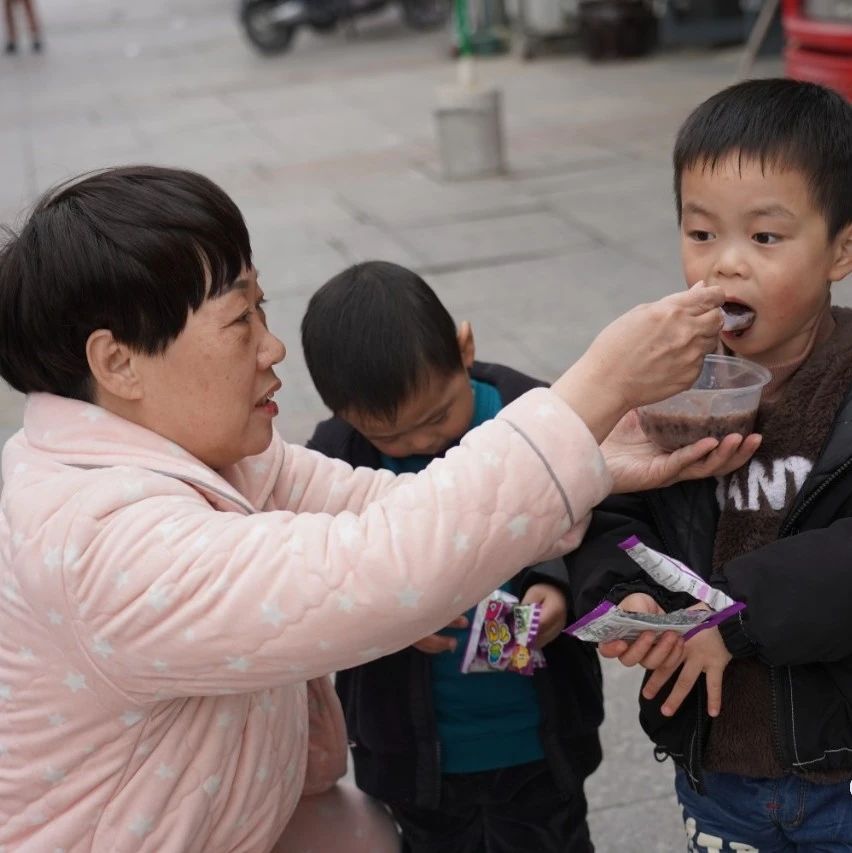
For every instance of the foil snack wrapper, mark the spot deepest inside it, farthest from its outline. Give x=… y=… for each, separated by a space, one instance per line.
x=609 y=622
x=503 y=636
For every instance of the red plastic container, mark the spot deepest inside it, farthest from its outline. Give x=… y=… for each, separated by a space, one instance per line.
x=818 y=50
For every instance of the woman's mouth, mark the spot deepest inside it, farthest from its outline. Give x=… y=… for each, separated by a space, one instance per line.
x=737 y=319
x=267 y=404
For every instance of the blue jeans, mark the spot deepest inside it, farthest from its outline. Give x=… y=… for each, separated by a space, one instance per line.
x=788 y=815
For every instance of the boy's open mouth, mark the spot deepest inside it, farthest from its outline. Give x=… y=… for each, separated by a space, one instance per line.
x=737 y=318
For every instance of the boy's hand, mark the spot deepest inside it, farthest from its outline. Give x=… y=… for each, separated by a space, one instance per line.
x=636 y=463
x=649 y=649
x=705 y=652
x=434 y=644
x=554 y=611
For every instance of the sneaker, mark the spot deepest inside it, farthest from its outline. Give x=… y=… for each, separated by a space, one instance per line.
x=36 y=46
x=11 y=47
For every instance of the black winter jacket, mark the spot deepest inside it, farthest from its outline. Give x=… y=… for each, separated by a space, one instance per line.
x=388 y=702
x=798 y=592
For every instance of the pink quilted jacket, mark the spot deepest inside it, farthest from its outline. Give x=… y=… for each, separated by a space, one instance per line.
x=161 y=621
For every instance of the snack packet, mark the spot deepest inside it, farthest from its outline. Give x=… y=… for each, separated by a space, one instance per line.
x=608 y=622
x=503 y=636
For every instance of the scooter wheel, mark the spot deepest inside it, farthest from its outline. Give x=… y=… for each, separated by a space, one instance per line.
x=425 y=14
x=269 y=36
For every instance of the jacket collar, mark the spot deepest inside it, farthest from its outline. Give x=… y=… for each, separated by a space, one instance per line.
x=83 y=435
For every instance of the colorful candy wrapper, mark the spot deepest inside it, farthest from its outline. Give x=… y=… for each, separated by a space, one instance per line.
x=503 y=636
x=608 y=622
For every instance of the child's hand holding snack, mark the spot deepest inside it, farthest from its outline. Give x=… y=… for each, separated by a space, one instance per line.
x=554 y=611
x=650 y=650
x=705 y=652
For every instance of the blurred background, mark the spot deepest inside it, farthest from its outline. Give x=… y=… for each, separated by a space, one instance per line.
x=343 y=129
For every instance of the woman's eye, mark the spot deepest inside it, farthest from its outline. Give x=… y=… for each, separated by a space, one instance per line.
x=700 y=236
x=764 y=238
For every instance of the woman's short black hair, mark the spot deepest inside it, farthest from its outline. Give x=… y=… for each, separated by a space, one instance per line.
x=779 y=123
x=373 y=336
x=131 y=249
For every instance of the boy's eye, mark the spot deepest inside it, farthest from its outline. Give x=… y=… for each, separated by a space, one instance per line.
x=700 y=236
x=765 y=238
x=438 y=419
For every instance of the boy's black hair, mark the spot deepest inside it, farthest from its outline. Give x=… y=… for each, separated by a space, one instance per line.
x=130 y=249
x=374 y=335
x=779 y=123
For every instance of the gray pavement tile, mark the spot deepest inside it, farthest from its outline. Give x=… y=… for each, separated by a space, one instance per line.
x=647 y=826
x=360 y=241
x=306 y=138
x=480 y=240
x=413 y=198
x=620 y=212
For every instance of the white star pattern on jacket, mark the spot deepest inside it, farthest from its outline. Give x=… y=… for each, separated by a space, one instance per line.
x=409 y=597
x=102 y=647
x=52 y=559
x=131 y=718
x=141 y=826
x=518 y=525
x=271 y=613
x=75 y=681
x=211 y=785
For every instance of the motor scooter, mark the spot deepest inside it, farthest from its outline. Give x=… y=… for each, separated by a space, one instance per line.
x=271 y=24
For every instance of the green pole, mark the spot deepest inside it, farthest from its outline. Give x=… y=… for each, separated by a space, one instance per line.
x=462 y=28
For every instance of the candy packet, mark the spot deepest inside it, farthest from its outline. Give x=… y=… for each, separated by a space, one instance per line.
x=608 y=622
x=503 y=636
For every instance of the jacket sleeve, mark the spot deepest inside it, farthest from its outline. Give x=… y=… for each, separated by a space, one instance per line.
x=599 y=569
x=183 y=600
x=797 y=593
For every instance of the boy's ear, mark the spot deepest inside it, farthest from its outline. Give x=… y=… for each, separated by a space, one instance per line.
x=113 y=366
x=843 y=257
x=467 y=347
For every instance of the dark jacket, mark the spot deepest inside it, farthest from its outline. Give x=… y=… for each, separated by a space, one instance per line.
x=798 y=591
x=388 y=702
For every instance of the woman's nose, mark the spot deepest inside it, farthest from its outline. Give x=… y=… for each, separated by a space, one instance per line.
x=272 y=351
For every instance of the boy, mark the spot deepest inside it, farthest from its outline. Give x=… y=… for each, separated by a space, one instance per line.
x=458 y=758
x=763 y=182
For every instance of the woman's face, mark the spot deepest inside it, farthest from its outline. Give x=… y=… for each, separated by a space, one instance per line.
x=210 y=391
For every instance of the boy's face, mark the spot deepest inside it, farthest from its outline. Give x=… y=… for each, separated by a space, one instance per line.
x=427 y=424
x=758 y=234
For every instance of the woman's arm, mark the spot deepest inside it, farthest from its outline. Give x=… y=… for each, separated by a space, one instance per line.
x=212 y=602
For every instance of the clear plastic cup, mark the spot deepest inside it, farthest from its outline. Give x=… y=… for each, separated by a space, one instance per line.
x=723 y=400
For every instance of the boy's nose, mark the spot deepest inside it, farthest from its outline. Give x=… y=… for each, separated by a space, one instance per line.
x=729 y=263
x=422 y=442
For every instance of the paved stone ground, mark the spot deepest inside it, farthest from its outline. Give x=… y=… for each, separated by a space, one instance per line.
x=329 y=152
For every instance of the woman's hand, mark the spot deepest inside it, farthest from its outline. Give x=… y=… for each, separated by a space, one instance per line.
x=434 y=644
x=636 y=463
x=649 y=650
x=554 y=611
x=646 y=355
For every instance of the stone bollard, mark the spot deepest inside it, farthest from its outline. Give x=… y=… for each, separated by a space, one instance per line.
x=470 y=130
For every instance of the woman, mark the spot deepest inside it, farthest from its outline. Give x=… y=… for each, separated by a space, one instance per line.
x=176 y=579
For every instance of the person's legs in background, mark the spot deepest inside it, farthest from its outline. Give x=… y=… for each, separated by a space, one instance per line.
x=11 y=25
x=11 y=32
x=33 y=22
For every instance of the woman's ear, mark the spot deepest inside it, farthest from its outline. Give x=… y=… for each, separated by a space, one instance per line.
x=113 y=366
x=467 y=347
x=843 y=255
